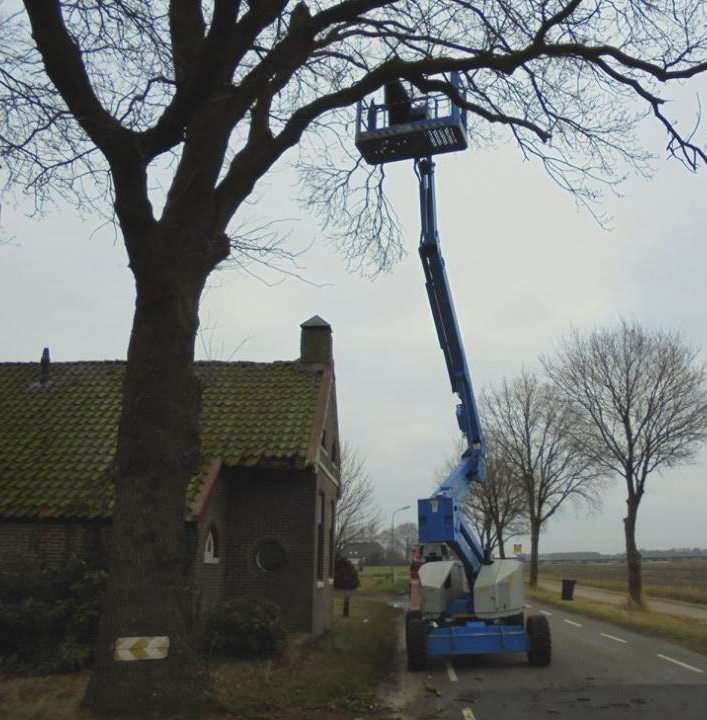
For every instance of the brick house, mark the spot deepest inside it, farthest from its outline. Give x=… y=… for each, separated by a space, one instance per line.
x=260 y=514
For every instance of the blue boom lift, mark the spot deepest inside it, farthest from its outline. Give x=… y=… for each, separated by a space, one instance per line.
x=468 y=603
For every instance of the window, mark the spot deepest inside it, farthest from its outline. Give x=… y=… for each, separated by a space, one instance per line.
x=331 y=539
x=320 y=536
x=324 y=439
x=211 y=547
x=334 y=454
x=270 y=556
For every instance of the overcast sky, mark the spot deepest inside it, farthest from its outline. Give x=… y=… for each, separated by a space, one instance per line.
x=524 y=263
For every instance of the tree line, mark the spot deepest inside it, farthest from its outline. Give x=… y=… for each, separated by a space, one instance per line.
x=618 y=402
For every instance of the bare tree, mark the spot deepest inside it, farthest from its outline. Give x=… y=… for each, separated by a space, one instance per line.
x=398 y=541
x=532 y=429
x=478 y=513
x=98 y=99
x=406 y=536
x=642 y=400
x=356 y=509
x=497 y=507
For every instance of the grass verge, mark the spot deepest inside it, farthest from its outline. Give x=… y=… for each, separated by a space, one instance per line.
x=687 y=595
x=338 y=671
x=689 y=633
x=330 y=677
x=379 y=579
x=38 y=698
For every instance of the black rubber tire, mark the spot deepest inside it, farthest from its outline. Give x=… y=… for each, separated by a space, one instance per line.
x=416 y=644
x=412 y=615
x=538 y=629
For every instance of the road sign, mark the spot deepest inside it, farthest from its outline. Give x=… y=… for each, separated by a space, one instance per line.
x=517 y=549
x=141 y=648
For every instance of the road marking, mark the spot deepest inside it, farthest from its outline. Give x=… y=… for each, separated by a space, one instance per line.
x=468 y=714
x=681 y=664
x=545 y=612
x=572 y=622
x=613 y=637
x=450 y=672
x=528 y=605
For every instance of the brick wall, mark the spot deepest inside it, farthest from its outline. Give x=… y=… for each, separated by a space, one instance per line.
x=209 y=576
x=248 y=507
x=277 y=507
x=52 y=542
x=323 y=594
x=327 y=484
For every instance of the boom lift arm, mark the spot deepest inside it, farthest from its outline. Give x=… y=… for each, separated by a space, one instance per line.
x=439 y=519
x=465 y=603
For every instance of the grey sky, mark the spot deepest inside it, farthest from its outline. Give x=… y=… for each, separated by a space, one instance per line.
x=524 y=264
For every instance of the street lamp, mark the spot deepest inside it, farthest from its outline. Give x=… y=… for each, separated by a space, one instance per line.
x=392 y=533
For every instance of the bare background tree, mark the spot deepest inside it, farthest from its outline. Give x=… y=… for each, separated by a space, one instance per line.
x=398 y=542
x=532 y=430
x=357 y=515
x=641 y=398
x=98 y=99
x=497 y=507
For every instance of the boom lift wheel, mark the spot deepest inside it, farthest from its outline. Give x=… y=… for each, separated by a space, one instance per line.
x=538 y=629
x=416 y=640
x=410 y=615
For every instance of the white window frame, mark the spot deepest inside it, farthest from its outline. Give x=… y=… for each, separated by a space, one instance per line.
x=211 y=550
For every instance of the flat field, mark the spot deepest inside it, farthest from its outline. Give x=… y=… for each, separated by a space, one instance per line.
x=675 y=579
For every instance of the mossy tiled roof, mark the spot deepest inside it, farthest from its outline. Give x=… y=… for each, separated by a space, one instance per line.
x=58 y=440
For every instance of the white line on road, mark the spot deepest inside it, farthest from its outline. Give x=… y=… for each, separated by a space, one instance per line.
x=450 y=672
x=545 y=612
x=572 y=622
x=468 y=714
x=528 y=605
x=681 y=664
x=613 y=637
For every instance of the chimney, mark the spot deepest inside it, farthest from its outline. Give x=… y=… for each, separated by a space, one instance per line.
x=315 y=343
x=44 y=367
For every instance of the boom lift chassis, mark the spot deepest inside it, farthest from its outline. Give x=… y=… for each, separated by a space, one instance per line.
x=466 y=603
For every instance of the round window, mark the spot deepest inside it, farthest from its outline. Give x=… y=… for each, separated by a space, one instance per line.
x=270 y=556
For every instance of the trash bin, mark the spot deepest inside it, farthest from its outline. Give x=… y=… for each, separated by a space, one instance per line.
x=568 y=589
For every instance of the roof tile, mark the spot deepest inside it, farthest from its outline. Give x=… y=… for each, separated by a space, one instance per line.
x=58 y=441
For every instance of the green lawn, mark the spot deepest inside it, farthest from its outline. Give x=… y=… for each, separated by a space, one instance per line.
x=379 y=579
x=332 y=677
x=339 y=670
x=684 y=580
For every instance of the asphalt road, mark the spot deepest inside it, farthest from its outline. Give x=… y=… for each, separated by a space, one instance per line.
x=597 y=671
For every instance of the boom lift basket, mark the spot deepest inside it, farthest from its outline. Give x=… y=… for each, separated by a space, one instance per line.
x=434 y=125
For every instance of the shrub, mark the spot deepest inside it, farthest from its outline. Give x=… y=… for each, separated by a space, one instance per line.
x=243 y=628
x=49 y=618
x=345 y=575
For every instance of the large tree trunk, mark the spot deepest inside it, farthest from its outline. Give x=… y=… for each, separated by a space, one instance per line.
x=149 y=592
x=534 y=551
x=501 y=542
x=633 y=557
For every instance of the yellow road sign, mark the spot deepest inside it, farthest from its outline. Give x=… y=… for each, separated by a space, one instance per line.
x=517 y=549
x=141 y=648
